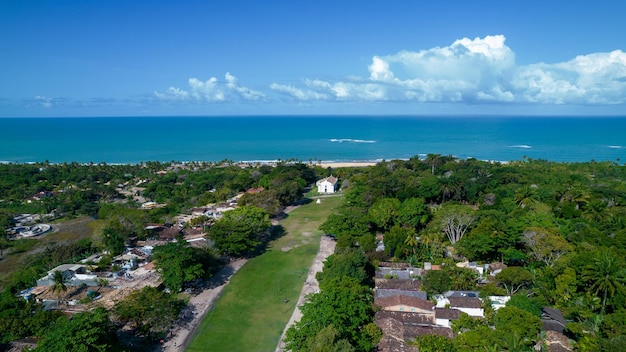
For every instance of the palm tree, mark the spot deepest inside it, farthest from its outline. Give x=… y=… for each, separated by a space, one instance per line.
x=607 y=275
x=526 y=196
x=433 y=160
x=59 y=284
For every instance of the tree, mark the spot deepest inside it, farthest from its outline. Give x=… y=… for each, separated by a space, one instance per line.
x=240 y=231
x=383 y=212
x=151 y=312
x=112 y=241
x=455 y=222
x=545 y=245
x=179 y=263
x=58 y=284
x=344 y=304
x=413 y=212
x=347 y=226
x=90 y=331
x=436 y=281
x=526 y=196
x=266 y=200
x=606 y=275
x=327 y=340
x=476 y=339
x=514 y=278
x=515 y=325
x=346 y=263
x=434 y=343
x=566 y=285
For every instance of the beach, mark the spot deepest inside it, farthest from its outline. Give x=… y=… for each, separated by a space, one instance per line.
x=336 y=165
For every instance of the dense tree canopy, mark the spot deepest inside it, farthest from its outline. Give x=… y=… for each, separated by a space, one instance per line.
x=344 y=304
x=151 y=312
x=240 y=231
x=89 y=331
x=179 y=263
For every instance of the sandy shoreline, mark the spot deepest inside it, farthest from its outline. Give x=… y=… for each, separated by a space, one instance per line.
x=335 y=165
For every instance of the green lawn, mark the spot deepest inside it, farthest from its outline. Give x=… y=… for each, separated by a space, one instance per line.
x=251 y=313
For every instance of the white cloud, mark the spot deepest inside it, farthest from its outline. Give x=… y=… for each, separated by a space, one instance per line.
x=297 y=93
x=210 y=91
x=470 y=71
x=478 y=70
x=43 y=101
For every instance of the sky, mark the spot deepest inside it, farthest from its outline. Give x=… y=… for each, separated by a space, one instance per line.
x=395 y=57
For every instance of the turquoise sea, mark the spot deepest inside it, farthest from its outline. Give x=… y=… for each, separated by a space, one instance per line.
x=326 y=138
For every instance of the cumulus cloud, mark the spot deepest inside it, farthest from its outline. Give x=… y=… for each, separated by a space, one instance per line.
x=43 y=101
x=210 y=91
x=479 y=70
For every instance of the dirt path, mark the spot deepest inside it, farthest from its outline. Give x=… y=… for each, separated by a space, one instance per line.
x=199 y=305
x=327 y=247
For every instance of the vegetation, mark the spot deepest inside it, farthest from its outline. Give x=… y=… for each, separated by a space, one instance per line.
x=259 y=300
x=240 y=231
x=178 y=263
x=150 y=311
x=559 y=227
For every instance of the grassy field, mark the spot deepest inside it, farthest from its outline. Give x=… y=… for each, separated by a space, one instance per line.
x=251 y=313
x=69 y=231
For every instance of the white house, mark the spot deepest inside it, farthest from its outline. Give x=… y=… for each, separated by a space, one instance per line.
x=327 y=185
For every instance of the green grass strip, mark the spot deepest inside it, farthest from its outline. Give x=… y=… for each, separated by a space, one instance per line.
x=251 y=313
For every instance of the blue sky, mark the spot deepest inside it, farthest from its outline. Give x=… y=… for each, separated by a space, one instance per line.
x=120 y=58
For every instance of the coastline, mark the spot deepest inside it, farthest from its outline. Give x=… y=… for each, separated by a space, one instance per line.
x=335 y=165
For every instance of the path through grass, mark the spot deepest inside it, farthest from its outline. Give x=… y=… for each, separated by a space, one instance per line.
x=251 y=313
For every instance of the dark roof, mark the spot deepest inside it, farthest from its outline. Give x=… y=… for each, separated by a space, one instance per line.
x=411 y=284
x=462 y=294
x=387 y=292
x=412 y=331
x=169 y=232
x=552 y=320
x=465 y=302
x=404 y=300
x=406 y=318
x=553 y=313
x=447 y=313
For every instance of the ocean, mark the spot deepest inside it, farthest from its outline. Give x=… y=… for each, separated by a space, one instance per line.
x=310 y=138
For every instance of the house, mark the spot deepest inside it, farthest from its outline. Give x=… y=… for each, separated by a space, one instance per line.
x=465 y=301
x=398 y=328
x=74 y=274
x=406 y=304
x=443 y=316
x=327 y=185
x=388 y=292
x=398 y=284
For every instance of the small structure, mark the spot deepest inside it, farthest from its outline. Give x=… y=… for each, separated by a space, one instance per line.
x=327 y=185
x=74 y=274
x=552 y=320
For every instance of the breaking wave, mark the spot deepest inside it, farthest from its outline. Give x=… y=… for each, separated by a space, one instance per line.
x=522 y=146
x=616 y=147
x=349 y=140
